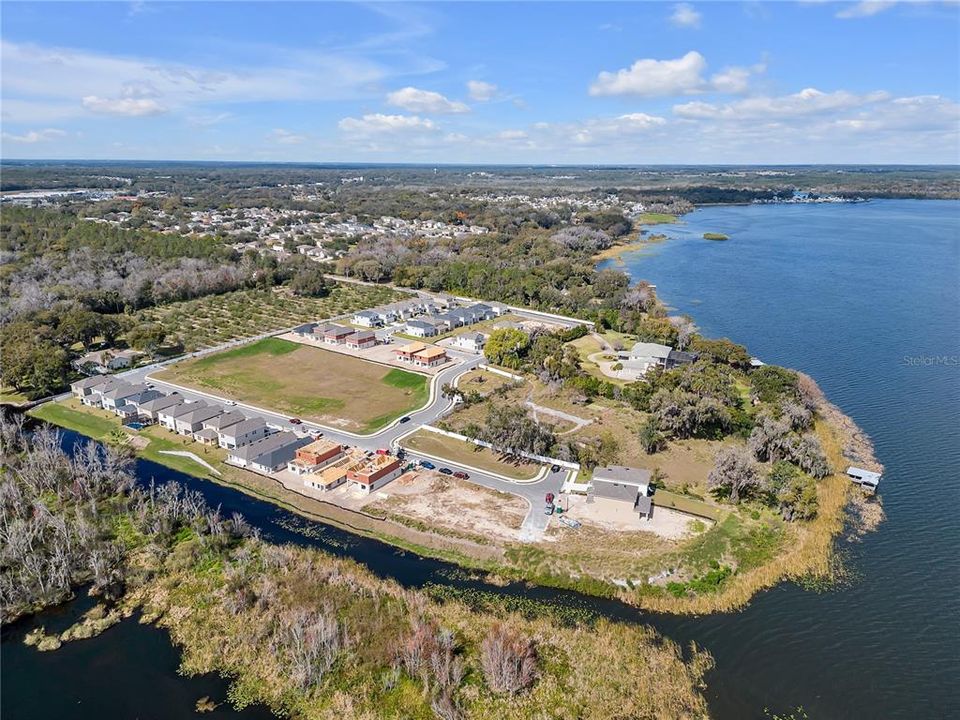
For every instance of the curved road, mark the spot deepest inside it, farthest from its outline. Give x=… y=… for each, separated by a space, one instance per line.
x=533 y=492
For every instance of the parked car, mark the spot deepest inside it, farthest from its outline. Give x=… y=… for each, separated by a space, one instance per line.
x=230 y=402
x=446 y=471
x=462 y=475
x=554 y=468
x=401 y=454
x=548 y=510
x=404 y=419
x=426 y=464
x=549 y=498
x=295 y=421
x=382 y=451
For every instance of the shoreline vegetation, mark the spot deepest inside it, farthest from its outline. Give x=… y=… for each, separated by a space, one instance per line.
x=638 y=241
x=809 y=558
x=715 y=236
x=307 y=634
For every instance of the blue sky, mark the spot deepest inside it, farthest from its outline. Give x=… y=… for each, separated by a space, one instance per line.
x=709 y=82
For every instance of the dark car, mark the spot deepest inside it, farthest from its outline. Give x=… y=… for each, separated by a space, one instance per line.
x=554 y=468
x=462 y=475
x=446 y=471
x=549 y=498
x=427 y=464
x=295 y=421
x=404 y=419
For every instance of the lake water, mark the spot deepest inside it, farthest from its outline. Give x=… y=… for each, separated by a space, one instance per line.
x=862 y=297
x=866 y=299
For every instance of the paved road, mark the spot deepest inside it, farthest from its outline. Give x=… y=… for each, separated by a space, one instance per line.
x=533 y=492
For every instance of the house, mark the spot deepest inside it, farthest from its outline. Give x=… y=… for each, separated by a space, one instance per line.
x=242 y=433
x=420 y=328
x=368 y=318
x=314 y=456
x=222 y=422
x=103 y=361
x=374 y=472
x=117 y=395
x=481 y=312
x=86 y=388
x=449 y=320
x=336 y=335
x=430 y=357
x=644 y=356
x=191 y=422
x=167 y=417
x=625 y=484
x=305 y=331
x=473 y=342
x=206 y=436
x=332 y=476
x=361 y=340
x=268 y=454
x=151 y=408
x=142 y=398
x=405 y=353
x=676 y=358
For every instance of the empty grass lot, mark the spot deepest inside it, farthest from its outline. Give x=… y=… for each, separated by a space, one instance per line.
x=465 y=453
x=307 y=382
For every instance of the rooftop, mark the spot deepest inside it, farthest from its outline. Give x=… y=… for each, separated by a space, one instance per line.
x=652 y=350
x=638 y=477
x=411 y=348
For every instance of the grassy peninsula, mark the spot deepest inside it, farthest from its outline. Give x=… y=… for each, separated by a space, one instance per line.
x=307 y=634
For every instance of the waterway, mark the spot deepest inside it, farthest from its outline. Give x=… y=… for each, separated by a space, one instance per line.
x=862 y=297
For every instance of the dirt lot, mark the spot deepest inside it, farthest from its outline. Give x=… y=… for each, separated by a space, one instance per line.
x=311 y=383
x=615 y=515
x=456 y=505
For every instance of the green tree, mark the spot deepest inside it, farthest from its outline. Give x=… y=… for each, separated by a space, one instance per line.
x=147 y=337
x=507 y=347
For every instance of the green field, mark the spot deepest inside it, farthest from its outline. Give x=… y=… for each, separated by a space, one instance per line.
x=466 y=453
x=652 y=218
x=307 y=382
x=215 y=319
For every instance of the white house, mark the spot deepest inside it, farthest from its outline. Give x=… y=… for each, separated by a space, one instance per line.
x=86 y=389
x=242 y=433
x=625 y=484
x=420 y=328
x=473 y=342
x=367 y=318
x=644 y=356
x=191 y=422
x=117 y=395
x=167 y=417
x=268 y=454
x=152 y=408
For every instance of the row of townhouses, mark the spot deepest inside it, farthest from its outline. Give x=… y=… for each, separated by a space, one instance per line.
x=249 y=442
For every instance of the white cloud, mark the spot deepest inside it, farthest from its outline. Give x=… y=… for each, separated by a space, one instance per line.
x=38 y=79
x=34 y=136
x=285 y=137
x=865 y=8
x=682 y=76
x=806 y=102
x=654 y=77
x=684 y=15
x=124 y=106
x=380 y=123
x=512 y=135
x=426 y=101
x=481 y=91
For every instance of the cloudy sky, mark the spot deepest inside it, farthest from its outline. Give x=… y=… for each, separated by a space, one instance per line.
x=737 y=82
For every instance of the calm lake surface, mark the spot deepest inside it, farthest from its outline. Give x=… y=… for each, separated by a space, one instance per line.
x=862 y=297
x=866 y=299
